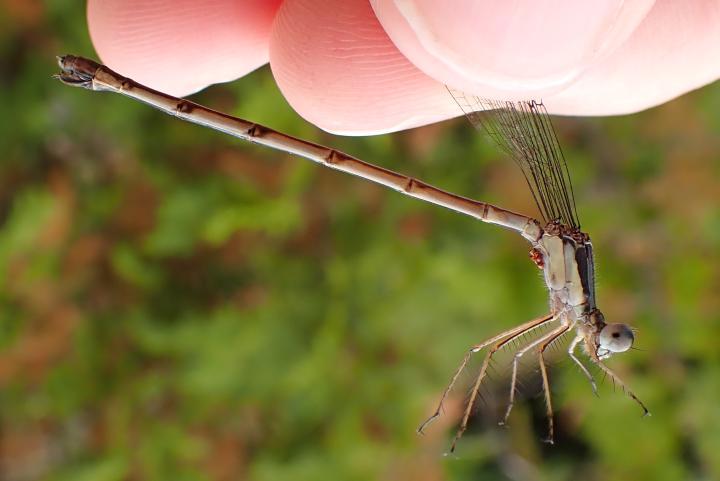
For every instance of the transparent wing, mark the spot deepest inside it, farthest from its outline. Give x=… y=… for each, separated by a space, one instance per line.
x=524 y=131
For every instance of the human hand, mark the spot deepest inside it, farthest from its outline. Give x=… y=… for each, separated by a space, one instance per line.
x=356 y=67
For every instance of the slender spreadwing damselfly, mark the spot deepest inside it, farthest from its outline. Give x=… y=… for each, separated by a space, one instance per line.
x=559 y=247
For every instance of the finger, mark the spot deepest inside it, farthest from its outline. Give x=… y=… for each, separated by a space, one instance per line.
x=673 y=51
x=182 y=46
x=522 y=49
x=338 y=69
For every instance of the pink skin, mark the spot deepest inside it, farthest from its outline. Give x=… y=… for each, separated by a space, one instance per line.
x=360 y=67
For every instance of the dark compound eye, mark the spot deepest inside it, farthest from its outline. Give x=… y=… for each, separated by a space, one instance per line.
x=616 y=337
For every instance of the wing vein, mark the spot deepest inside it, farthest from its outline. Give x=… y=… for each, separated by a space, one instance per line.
x=524 y=131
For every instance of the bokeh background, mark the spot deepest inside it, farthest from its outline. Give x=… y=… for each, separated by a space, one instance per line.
x=175 y=304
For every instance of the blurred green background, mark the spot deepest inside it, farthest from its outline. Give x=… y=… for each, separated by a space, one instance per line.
x=175 y=304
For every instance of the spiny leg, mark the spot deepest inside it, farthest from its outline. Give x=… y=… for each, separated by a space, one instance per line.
x=546 y=383
x=509 y=334
x=483 y=369
x=619 y=381
x=476 y=389
x=571 y=353
x=516 y=361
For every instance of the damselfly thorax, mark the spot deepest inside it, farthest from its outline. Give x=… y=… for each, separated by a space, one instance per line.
x=558 y=245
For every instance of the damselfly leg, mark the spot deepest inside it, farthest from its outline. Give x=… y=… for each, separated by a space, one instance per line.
x=562 y=330
x=616 y=379
x=571 y=353
x=500 y=340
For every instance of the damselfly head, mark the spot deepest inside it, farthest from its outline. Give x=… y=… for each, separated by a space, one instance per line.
x=614 y=338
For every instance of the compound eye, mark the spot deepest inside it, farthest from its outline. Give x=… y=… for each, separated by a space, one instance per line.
x=616 y=337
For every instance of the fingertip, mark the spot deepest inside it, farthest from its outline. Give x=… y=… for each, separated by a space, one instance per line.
x=338 y=69
x=181 y=46
x=666 y=56
x=521 y=49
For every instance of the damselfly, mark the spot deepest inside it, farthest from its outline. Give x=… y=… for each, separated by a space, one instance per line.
x=558 y=246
